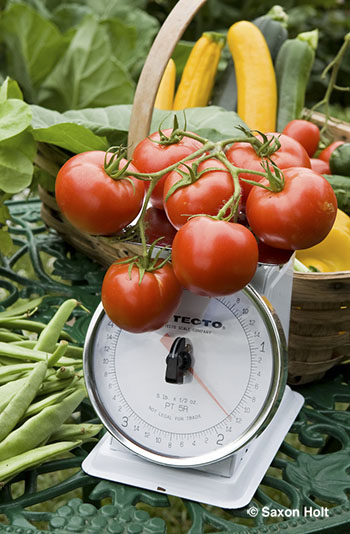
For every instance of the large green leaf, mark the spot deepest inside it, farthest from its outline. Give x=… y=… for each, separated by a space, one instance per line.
x=33 y=46
x=132 y=14
x=112 y=8
x=10 y=89
x=23 y=142
x=123 y=39
x=16 y=162
x=102 y=121
x=212 y=122
x=38 y=5
x=15 y=116
x=96 y=128
x=87 y=75
x=55 y=128
x=16 y=169
x=66 y=16
x=147 y=28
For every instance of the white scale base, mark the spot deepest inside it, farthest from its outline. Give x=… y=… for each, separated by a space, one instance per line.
x=229 y=483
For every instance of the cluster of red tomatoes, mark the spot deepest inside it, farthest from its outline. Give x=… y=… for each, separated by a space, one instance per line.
x=211 y=255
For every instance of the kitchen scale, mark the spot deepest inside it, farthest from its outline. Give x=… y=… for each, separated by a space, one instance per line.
x=198 y=408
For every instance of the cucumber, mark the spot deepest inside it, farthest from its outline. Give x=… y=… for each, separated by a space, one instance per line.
x=339 y=161
x=293 y=67
x=341 y=188
x=273 y=26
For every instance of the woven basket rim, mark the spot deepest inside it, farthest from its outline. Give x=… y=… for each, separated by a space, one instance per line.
x=339 y=275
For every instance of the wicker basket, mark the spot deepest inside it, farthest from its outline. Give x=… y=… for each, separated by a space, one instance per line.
x=320 y=315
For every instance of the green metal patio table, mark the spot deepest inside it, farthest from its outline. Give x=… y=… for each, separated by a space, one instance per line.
x=306 y=490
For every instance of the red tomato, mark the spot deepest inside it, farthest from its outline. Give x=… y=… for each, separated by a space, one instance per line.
x=206 y=195
x=319 y=165
x=326 y=153
x=91 y=200
x=139 y=307
x=306 y=132
x=299 y=216
x=214 y=258
x=272 y=255
x=150 y=157
x=290 y=154
x=157 y=225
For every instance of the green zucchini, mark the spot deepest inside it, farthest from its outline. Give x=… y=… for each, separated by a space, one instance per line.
x=225 y=92
x=293 y=67
x=339 y=161
x=273 y=26
x=341 y=188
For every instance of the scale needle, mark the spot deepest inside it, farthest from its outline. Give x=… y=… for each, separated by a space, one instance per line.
x=167 y=341
x=200 y=381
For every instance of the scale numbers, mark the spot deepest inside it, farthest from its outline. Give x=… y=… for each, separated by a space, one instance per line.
x=225 y=397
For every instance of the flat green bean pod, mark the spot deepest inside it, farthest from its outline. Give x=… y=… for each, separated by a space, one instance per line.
x=49 y=400
x=22 y=399
x=51 y=333
x=14 y=465
x=83 y=431
x=37 y=429
x=8 y=390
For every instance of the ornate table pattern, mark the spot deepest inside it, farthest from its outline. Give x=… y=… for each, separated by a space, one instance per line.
x=306 y=489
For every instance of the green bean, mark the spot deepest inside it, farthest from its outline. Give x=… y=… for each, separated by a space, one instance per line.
x=21 y=400
x=12 y=360
x=83 y=431
x=30 y=326
x=38 y=428
x=72 y=351
x=48 y=337
x=14 y=377
x=10 y=337
x=36 y=407
x=57 y=354
x=22 y=307
x=14 y=465
x=22 y=353
x=16 y=352
x=8 y=370
x=65 y=372
x=6 y=360
x=4 y=402
x=8 y=390
x=50 y=386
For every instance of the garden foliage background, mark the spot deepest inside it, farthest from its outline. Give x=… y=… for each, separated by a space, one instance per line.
x=68 y=72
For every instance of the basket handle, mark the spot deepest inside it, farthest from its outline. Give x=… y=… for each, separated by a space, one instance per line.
x=155 y=64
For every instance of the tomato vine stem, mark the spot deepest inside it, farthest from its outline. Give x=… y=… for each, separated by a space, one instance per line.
x=208 y=150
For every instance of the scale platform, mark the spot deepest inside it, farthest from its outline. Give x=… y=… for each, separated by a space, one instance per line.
x=228 y=483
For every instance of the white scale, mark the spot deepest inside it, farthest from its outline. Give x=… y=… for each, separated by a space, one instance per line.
x=200 y=407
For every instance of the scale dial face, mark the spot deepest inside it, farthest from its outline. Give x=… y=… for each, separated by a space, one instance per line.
x=226 y=397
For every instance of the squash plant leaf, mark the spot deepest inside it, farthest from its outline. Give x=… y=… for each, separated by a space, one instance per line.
x=87 y=75
x=33 y=47
x=15 y=117
x=73 y=135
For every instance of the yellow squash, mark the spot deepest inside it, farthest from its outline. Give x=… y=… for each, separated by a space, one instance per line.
x=165 y=95
x=255 y=76
x=333 y=253
x=198 y=77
